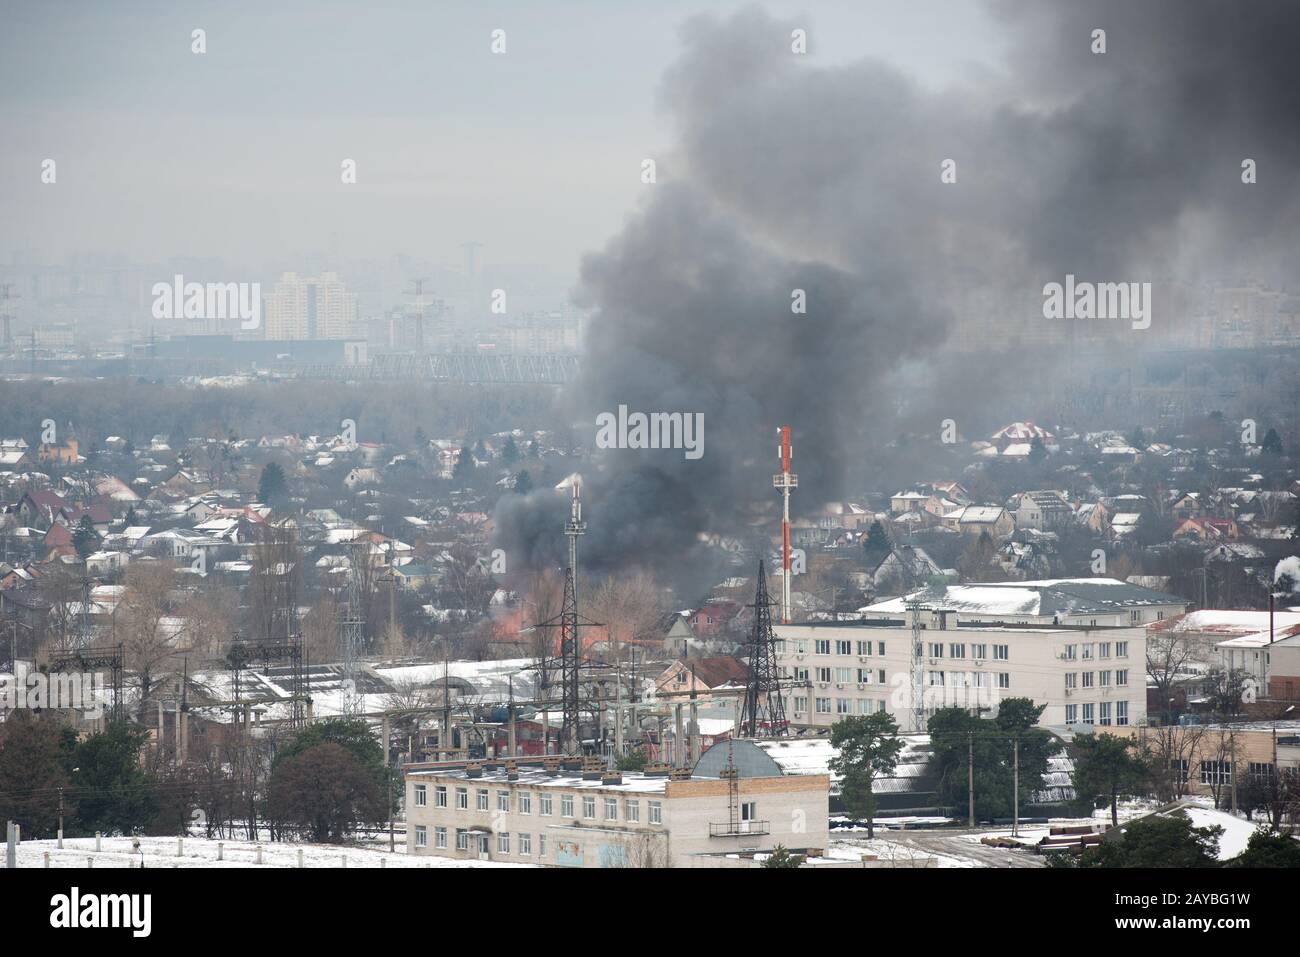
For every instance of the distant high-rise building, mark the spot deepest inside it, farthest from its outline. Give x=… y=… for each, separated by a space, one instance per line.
x=310 y=307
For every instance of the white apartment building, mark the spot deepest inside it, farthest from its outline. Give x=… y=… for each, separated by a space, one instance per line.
x=1084 y=675
x=542 y=815
x=310 y=307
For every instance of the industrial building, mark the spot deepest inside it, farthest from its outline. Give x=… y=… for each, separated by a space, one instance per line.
x=567 y=812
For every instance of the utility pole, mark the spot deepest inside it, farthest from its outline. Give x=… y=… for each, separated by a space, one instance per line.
x=970 y=775
x=1015 y=787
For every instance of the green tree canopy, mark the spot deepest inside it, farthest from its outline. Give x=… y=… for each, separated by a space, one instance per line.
x=1106 y=766
x=272 y=489
x=113 y=791
x=868 y=747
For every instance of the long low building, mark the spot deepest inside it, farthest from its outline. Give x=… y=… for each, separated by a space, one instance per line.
x=540 y=812
x=1084 y=675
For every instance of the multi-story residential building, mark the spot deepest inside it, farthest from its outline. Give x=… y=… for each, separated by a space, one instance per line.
x=1085 y=675
x=310 y=307
x=531 y=811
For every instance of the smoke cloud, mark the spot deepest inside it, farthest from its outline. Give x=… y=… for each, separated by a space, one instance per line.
x=789 y=174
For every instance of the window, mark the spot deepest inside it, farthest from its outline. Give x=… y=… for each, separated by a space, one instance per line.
x=1071 y=652
x=1260 y=772
x=1121 y=676
x=865 y=676
x=822 y=646
x=800 y=704
x=503 y=842
x=462 y=839
x=1071 y=713
x=1071 y=679
x=749 y=811
x=936 y=649
x=880 y=676
x=1004 y=679
x=1087 y=652
x=1121 y=712
x=1087 y=714
x=545 y=801
x=525 y=844
x=844 y=647
x=880 y=647
x=632 y=811
x=421 y=795
x=1135 y=616
x=864 y=648
x=824 y=675
x=1216 y=772
x=1179 y=767
x=611 y=809
x=956 y=649
x=1087 y=679
x=1103 y=679
x=525 y=802
x=1103 y=649
x=656 y=812
x=843 y=705
x=440 y=837
x=541 y=845
x=588 y=806
x=440 y=797
x=843 y=675
x=979 y=652
x=1103 y=713
x=936 y=679
x=503 y=800
x=1000 y=653
x=481 y=799
x=865 y=706
x=421 y=836
x=1121 y=649
x=462 y=799
x=566 y=805
x=823 y=705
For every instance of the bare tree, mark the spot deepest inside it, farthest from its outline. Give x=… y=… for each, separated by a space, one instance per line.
x=1167 y=654
x=1171 y=753
x=145 y=628
x=274 y=582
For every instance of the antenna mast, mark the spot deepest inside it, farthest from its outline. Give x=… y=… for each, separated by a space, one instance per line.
x=785 y=481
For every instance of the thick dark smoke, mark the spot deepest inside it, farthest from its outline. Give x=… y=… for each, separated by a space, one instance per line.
x=1124 y=166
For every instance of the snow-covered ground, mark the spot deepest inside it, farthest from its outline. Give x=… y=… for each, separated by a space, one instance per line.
x=201 y=852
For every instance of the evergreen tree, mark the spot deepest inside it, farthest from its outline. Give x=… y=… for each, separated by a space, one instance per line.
x=510 y=451
x=1105 y=766
x=868 y=747
x=272 y=489
x=464 y=468
x=876 y=543
x=523 y=482
x=1272 y=443
x=113 y=790
x=781 y=858
x=1268 y=849
x=85 y=539
x=1157 y=841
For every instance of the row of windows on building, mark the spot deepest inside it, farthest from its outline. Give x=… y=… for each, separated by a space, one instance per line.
x=1100 y=713
x=1220 y=772
x=978 y=650
x=1095 y=679
x=1098 y=649
x=545 y=803
x=462 y=835
x=838 y=705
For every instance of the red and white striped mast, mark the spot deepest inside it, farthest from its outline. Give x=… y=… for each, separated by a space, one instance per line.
x=785 y=481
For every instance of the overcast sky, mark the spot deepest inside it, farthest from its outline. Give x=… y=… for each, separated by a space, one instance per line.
x=236 y=153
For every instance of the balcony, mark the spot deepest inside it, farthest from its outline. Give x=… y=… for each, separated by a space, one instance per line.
x=741 y=829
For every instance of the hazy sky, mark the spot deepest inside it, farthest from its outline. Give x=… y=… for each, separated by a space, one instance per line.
x=236 y=153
